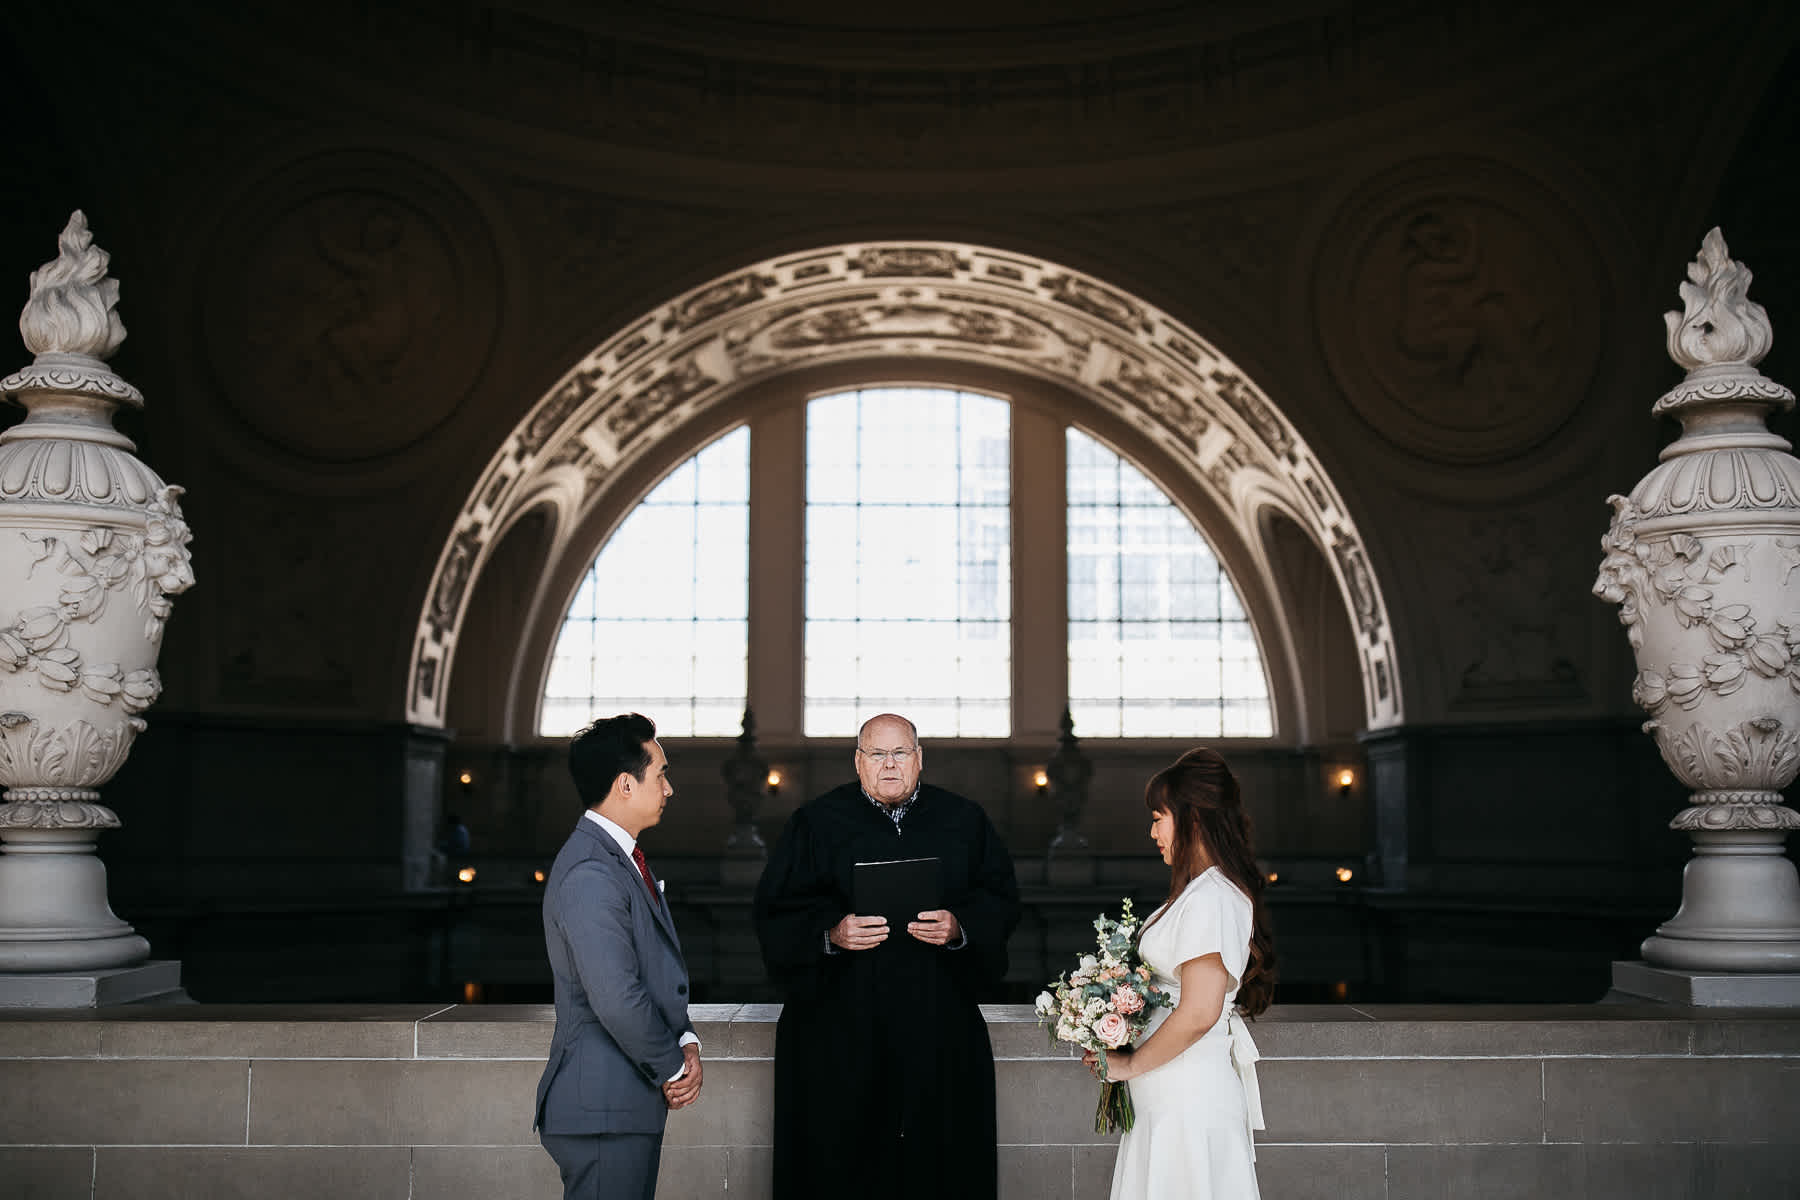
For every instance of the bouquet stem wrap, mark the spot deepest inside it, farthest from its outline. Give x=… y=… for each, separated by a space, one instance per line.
x=1114 y=1113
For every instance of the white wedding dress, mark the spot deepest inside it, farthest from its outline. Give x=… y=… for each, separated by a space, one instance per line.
x=1192 y=1136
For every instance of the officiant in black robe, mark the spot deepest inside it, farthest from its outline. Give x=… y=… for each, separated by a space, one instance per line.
x=884 y=1075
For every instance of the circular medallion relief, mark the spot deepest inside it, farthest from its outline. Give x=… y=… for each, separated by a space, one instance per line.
x=1456 y=310
x=355 y=309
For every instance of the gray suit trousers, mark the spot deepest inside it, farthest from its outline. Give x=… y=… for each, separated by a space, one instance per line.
x=605 y=1166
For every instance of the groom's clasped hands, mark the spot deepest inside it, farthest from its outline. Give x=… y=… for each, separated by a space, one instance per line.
x=684 y=1089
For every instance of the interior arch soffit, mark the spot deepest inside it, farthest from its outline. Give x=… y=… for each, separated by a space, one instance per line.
x=882 y=300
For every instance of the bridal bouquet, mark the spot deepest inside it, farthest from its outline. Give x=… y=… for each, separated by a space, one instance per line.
x=1105 y=1004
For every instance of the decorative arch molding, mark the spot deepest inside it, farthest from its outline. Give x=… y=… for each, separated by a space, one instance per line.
x=886 y=300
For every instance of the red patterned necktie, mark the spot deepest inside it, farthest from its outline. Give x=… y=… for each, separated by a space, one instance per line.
x=637 y=856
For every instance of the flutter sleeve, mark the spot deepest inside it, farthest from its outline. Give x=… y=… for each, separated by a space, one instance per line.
x=1211 y=918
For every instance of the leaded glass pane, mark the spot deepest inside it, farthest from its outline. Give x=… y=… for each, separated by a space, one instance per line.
x=909 y=561
x=1159 y=644
x=676 y=653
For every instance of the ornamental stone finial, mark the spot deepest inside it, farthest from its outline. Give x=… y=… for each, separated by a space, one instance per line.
x=1721 y=326
x=71 y=305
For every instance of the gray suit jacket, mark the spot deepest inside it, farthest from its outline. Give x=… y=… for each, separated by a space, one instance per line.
x=621 y=990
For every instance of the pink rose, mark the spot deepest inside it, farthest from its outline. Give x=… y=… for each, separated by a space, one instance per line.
x=1126 y=1001
x=1112 y=1030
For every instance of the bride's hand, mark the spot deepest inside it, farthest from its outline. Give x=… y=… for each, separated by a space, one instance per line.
x=1118 y=1065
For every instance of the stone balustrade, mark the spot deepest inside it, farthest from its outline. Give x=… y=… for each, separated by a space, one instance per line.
x=426 y=1101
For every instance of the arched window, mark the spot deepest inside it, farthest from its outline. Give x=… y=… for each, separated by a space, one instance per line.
x=660 y=623
x=898 y=541
x=1159 y=644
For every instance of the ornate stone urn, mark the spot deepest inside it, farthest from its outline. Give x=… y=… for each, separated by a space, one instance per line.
x=92 y=545
x=1700 y=558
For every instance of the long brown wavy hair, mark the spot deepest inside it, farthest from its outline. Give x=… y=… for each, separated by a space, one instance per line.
x=1201 y=794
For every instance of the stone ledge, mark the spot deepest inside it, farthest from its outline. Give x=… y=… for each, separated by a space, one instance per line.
x=747 y=1031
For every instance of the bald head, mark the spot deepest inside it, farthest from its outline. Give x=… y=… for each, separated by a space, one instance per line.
x=889 y=757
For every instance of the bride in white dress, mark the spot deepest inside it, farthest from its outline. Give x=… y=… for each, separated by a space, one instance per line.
x=1193 y=1074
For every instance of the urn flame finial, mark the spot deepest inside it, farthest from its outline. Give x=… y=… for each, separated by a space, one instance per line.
x=1721 y=326
x=71 y=306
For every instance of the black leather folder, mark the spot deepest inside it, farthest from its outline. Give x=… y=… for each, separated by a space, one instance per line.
x=898 y=889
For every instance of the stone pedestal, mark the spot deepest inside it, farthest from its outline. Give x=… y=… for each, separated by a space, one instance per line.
x=92 y=548
x=1701 y=989
x=1071 y=868
x=157 y=981
x=741 y=870
x=53 y=897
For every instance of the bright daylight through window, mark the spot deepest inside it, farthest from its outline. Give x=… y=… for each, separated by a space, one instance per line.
x=1159 y=644
x=660 y=623
x=909 y=561
x=909 y=540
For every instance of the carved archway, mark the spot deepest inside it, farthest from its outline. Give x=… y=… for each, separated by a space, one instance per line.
x=921 y=300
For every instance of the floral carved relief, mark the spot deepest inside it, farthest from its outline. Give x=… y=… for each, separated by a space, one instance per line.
x=98 y=565
x=1682 y=574
x=78 y=756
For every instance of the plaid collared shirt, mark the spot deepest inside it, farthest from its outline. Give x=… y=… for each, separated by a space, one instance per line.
x=897 y=812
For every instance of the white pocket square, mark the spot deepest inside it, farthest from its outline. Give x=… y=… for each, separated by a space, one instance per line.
x=662 y=886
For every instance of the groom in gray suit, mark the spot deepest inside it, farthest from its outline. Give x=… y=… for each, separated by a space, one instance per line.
x=624 y=1054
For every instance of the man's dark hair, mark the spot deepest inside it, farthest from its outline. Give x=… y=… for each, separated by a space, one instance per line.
x=607 y=748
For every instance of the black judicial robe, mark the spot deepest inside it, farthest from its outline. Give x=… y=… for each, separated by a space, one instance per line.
x=884 y=1075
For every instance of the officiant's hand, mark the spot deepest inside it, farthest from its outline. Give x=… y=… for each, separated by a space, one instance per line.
x=684 y=1089
x=859 y=933
x=938 y=927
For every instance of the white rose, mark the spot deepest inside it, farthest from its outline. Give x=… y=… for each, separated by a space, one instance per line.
x=1046 y=1004
x=1088 y=962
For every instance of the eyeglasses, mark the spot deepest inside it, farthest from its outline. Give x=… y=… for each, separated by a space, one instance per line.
x=897 y=757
